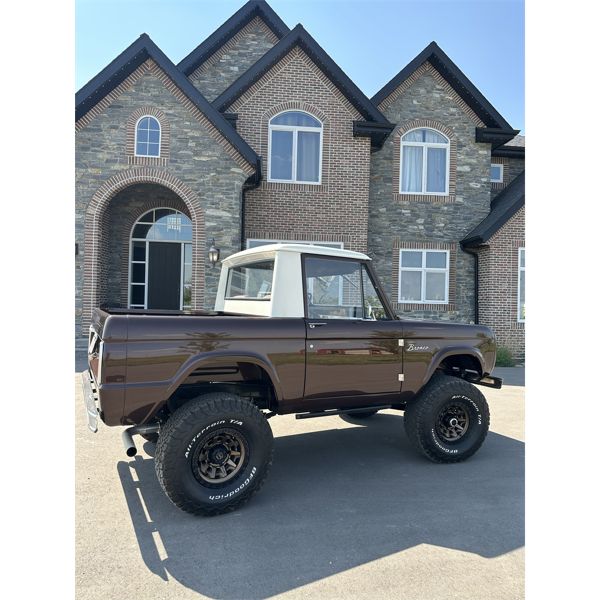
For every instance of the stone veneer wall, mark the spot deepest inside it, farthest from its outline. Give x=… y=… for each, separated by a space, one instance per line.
x=335 y=210
x=498 y=284
x=398 y=222
x=233 y=59
x=202 y=168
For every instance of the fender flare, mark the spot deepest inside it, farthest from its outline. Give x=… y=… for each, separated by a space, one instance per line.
x=448 y=351
x=216 y=358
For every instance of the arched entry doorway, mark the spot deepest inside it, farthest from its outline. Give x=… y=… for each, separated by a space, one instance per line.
x=160 y=266
x=110 y=218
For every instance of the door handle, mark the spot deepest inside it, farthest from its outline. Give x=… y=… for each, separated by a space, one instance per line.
x=313 y=325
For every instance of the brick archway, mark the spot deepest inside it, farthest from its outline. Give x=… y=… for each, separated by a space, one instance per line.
x=95 y=224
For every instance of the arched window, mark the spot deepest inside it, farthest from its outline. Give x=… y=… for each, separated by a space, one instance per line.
x=424 y=163
x=147 y=136
x=160 y=270
x=295 y=147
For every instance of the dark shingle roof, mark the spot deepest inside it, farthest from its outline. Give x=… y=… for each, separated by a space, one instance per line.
x=503 y=207
x=128 y=61
x=376 y=123
x=254 y=8
x=456 y=78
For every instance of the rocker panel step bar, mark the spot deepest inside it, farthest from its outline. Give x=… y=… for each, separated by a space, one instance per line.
x=341 y=411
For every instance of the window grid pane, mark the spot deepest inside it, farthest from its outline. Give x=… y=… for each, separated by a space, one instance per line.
x=147 y=137
x=423 y=276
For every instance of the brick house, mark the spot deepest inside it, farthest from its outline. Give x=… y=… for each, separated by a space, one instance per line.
x=257 y=136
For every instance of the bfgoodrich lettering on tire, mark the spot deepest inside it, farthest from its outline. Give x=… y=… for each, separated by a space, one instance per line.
x=448 y=421
x=213 y=454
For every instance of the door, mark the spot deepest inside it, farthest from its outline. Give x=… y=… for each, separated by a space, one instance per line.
x=353 y=355
x=164 y=275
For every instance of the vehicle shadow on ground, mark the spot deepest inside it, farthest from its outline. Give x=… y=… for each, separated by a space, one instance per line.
x=334 y=500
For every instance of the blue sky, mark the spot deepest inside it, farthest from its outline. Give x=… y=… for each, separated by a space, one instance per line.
x=371 y=40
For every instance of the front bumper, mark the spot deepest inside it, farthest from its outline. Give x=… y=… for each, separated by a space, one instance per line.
x=89 y=397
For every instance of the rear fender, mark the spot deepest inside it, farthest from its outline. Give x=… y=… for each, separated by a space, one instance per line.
x=224 y=359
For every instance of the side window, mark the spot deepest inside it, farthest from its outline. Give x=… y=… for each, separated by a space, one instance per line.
x=250 y=282
x=333 y=288
x=340 y=289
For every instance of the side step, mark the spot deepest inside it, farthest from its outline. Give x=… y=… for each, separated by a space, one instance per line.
x=340 y=411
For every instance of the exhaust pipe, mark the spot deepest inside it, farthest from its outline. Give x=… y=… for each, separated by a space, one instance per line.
x=127 y=436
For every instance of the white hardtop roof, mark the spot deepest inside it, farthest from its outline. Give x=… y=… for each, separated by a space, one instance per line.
x=269 y=250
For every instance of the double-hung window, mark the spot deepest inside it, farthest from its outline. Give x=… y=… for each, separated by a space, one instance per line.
x=295 y=148
x=424 y=162
x=424 y=277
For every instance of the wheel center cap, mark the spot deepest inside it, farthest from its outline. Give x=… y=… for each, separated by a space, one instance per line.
x=218 y=455
x=453 y=422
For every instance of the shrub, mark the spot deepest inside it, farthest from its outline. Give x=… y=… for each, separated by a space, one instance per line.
x=504 y=357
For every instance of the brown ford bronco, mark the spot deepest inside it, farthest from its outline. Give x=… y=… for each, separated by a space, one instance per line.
x=296 y=329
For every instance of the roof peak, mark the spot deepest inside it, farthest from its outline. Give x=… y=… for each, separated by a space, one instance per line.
x=235 y=23
x=298 y=36
x=142 y=49
x=463 y=86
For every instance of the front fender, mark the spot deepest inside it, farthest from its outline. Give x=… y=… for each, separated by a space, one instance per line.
x=448 y=351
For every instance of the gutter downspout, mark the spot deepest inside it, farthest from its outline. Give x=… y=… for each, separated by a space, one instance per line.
x=476 y=256
x=250 y=184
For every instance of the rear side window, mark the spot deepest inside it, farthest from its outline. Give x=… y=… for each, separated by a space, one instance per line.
x=250 y=282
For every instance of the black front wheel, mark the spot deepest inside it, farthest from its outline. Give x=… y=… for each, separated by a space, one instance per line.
x=213 y=454
x=448 y=421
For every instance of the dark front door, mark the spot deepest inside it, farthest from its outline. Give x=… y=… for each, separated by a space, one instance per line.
x=164 y=275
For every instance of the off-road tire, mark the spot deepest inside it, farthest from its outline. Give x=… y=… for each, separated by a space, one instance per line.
x=364 y=414
x=191 y=429
x=423 y=416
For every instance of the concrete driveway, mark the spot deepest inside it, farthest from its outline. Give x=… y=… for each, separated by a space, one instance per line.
x=349 y=511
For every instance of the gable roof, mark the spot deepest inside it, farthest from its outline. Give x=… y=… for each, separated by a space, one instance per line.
x=250 y=10
x=503 y=207
x=128 y=61
x=375 y=124
x=494 y=121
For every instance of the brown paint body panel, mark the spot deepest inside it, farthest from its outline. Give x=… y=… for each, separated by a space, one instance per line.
x=337 y=364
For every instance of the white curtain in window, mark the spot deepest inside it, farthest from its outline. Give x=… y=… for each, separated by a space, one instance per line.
x=307 y=168
x=436 y=170
x=281 y=154
x=412 y=168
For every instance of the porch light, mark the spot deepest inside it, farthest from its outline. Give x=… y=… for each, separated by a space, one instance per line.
x=213 y=253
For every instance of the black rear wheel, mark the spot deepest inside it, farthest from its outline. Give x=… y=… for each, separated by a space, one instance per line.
x=448 y=421
x=213 y=453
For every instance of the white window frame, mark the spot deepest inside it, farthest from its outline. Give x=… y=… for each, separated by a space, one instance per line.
x=295 y=129
x=424 y=270
x=501 y=180
x=426 y=145
x=146 y=262
x=135 y=141
x=521 y=253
